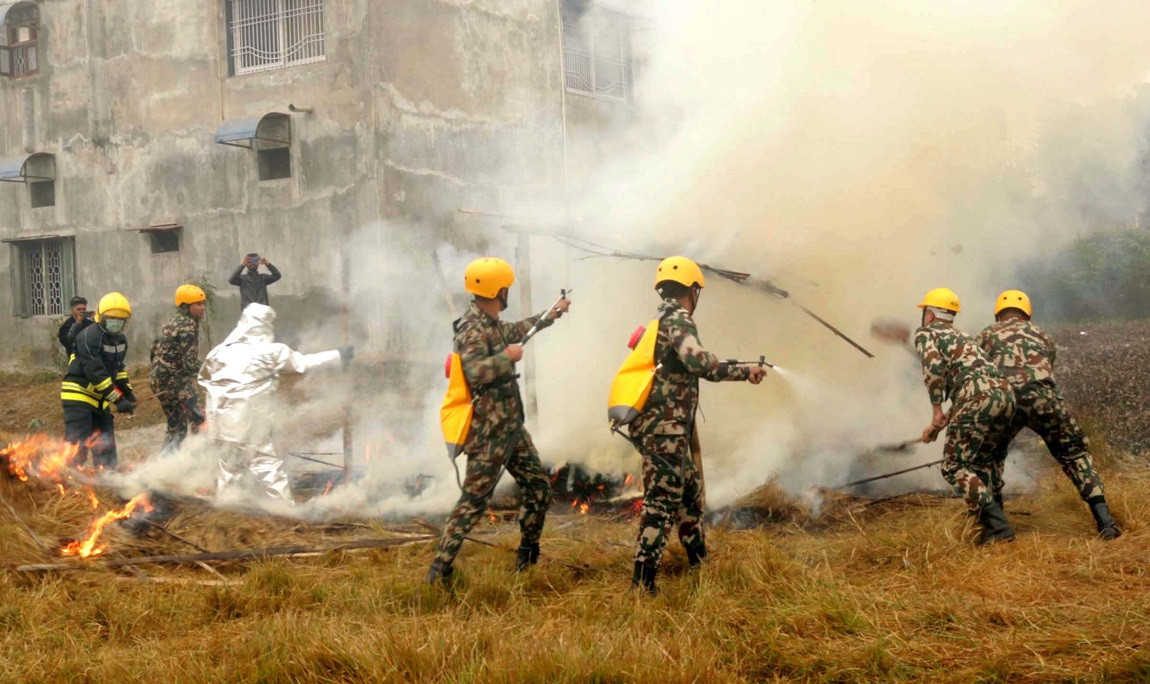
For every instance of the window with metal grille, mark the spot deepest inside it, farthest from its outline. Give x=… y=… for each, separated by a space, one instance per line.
x=18 y=41
x=46 y=276
x=596 y=51
x=269 y=34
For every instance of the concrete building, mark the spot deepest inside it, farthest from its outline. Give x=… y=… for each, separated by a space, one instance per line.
x=152 y=143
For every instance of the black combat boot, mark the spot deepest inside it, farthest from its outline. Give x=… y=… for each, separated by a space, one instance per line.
x=644 y=578
x=998 y=499
x=1107 y=528
x=995 y=528
x=439 y=573
x=695 y=555
x=526 y=556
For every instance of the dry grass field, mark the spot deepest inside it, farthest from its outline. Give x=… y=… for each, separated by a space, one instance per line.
x=874 y=592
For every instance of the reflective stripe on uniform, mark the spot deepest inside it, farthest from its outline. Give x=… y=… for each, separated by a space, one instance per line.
x=68 y=386
x=103 y=385
x=77 y=396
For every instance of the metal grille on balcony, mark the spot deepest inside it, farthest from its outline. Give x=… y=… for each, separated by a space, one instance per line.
x=269 y=34
x=597 y=54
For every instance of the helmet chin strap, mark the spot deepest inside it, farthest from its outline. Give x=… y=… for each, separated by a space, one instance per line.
x=502 y=297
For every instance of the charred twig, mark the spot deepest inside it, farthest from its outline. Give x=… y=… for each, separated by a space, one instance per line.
x=315 y=460
x=175 y=536
x=236 y=554
x=192 y=544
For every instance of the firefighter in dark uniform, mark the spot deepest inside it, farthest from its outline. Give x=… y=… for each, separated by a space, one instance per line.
x=96 y=381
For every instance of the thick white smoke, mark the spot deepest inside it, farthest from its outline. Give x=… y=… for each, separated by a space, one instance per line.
x=857 y=154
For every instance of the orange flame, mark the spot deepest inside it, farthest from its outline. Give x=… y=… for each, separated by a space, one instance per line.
x=327 y=489
x=87 y=547
x=628 y=480
x=583 y=508
x=92 y=498
x=42 y=457
x=492 y=517
x=60 y=488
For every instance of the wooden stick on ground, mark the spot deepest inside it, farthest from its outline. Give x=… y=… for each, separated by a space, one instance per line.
x=235 y=554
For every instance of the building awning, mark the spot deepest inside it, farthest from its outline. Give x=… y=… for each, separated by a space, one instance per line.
x=158 y=228
x=30 y=238
x=270 y=130
x=30 y=167
x=9 y=6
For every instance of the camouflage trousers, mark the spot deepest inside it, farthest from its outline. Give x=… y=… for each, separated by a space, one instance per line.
x=182 y=409
x=972 y=464
x=672 y=493
x=515 y=452
x=1042 y=409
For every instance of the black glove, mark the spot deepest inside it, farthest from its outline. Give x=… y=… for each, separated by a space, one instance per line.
x=125 y=405
x=346 y=354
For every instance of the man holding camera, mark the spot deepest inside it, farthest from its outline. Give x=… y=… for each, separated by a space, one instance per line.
x=253 y=284
x=81 y=318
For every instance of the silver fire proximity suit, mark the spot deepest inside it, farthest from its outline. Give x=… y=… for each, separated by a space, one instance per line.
x=240 y=377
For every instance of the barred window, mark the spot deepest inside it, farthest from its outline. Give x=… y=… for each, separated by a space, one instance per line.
x=269 y=34
x=596 y=51
x=46 y=276
x=19 y=36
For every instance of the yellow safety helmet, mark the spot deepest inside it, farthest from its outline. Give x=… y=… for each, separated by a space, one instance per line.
x=115 y=305
x=1012 y=299
x=190 y=294
x=487 y=276
x=941 y=298
x=679 y=269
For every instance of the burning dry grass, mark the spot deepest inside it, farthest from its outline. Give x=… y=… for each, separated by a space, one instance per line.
x=887 y=592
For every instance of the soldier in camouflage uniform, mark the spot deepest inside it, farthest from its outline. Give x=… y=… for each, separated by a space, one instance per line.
x=175 y=364
x=497 y=439
x=665 y=430
x=981 y=407
x=1025 y=355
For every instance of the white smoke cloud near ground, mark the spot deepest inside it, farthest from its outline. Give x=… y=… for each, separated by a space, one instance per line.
x=857 y=154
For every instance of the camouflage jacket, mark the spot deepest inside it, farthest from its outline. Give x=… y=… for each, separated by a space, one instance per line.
x=953 y=366
x=176 y=353
x=480 y=341
x=670 y=409
x=1021 y=350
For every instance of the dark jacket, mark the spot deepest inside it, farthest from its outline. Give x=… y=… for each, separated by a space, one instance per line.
x=68 y=331
x=96 y=368
x=254 y=286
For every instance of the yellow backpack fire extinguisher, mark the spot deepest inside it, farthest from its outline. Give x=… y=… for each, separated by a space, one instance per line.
x=455 y=413
x=632 y=384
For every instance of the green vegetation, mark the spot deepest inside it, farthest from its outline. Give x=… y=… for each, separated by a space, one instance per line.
x=1103 y=275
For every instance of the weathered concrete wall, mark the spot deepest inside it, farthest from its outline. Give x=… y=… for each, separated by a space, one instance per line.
x=420 y=107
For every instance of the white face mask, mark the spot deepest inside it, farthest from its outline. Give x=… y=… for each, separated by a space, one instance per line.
x=114 y=325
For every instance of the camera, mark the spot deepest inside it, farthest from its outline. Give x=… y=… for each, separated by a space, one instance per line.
x=89 y=314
